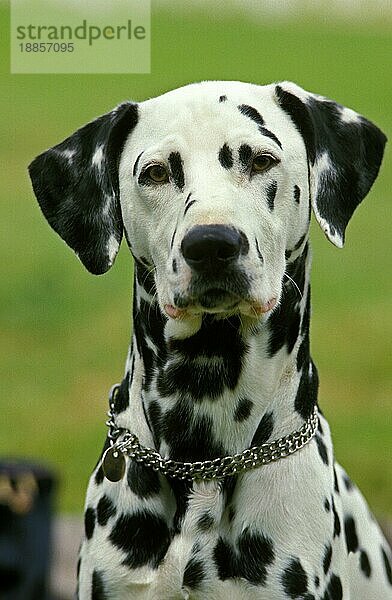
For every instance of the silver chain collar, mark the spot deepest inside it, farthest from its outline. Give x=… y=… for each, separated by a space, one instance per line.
x=113 y=463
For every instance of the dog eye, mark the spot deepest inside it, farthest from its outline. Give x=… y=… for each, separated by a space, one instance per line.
x=263 y=162
x=157 y=173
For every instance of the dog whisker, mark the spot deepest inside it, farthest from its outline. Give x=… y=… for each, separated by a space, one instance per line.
x=293 y=283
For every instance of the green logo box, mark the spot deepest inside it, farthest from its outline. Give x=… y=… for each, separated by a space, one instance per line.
x=89 y=36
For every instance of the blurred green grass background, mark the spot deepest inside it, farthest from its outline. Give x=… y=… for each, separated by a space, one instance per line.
x=64 y=333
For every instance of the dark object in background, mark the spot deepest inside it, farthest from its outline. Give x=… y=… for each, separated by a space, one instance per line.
x=26 y=494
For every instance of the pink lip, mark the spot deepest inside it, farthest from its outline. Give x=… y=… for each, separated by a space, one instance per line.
x=173 y=312
x=260 y=309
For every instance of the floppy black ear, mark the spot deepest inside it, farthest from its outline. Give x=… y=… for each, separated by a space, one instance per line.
x=76 y=184
x=344 y=155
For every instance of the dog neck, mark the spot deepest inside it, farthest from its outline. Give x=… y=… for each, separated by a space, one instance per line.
x=223 y=384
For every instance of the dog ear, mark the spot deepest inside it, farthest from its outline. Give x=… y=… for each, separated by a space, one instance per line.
x=344 y=155
x=76 y=184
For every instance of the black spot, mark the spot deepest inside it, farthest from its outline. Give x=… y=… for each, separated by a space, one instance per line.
x=327 y=558
x=284 y=323
x=264 y=430
x=205 y=522
x=301 y=117
x=351 y=534
x=245 y=154
x=228 y=486
x=284 y=328
x=136 y=164
x=146 y=352
x=225 y=560
x=306 y=397
x=306 y=316
x=365 y=564
x=121 y=396
x=89 y=522
x=181 y=491
x=144 y=261
x=97 y=587
x=258 y=251
x=271 y=194
x=143 y=481
x=297 y=194
x=320 y=428
x=144 y=536
x=335 y=481
x=148 y=323
x=254 y=553
x=252 y=113
x=317 y=581
x=99 y=475
x=78 y=566
x=187 y=207
x=322 y=450
x=194 y=573
x=174 y=265
x=303 y=355
x=145 y=276
x=387 y=565
x=294 y=579
x=336 y=521
x=300 y=242
x=105 y=510
x=173 y=236
x=225 y=157
x=243 y=409
x=194 y=439
x=288 y=254
x=348 y=483
x=297 y=270
x=222 y=98
x=177 y=171
x=271 y=135
x=334 y=590
x=327 y=506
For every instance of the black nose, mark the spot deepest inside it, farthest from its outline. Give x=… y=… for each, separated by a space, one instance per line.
x=210 y=247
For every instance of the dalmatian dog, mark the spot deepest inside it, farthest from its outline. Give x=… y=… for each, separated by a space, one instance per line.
x=213 y=185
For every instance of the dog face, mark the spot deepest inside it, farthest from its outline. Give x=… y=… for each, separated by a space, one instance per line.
x=212 y=184
x=215 y=173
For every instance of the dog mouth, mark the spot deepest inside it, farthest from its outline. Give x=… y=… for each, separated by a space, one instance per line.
x=211 y=298
x=226 y=294
x=217 y=300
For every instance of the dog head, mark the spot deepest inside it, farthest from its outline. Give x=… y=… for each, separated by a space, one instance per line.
x=212 y=184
